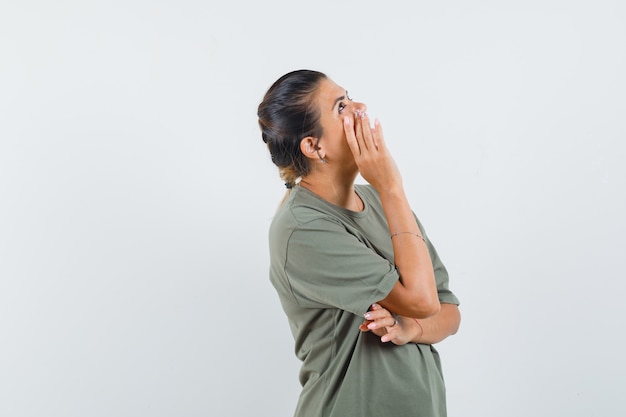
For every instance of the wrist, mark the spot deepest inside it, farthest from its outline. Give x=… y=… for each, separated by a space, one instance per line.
x=393 y=191
x=419 y=331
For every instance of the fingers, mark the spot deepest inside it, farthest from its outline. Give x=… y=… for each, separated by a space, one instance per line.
x=360 y=135
x=377 y=133
x=384 y=324
x=349 y=129
x=379 y=317
x=388 y=337
x=358 y=129
x=393 y=334
x=366 y=131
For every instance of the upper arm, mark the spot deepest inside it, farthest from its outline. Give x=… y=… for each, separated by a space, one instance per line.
x=327 y=266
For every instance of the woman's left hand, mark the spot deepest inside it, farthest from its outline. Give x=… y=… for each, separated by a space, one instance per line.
x=395 y=329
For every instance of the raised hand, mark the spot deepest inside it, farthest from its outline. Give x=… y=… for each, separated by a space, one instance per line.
x=370 y=152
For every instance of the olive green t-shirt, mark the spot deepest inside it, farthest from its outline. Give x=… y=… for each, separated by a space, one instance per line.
x=329 y=265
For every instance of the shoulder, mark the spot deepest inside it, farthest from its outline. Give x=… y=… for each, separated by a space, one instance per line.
x=300 y=211
x=301 y=207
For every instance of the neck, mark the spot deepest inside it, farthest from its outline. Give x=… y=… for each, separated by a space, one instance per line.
x=337 y=192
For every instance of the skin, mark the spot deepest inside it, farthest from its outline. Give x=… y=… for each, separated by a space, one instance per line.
x=406 y=330
x=348 y=146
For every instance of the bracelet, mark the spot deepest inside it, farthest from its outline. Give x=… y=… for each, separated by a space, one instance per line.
x=421 y=328
x=408 y=233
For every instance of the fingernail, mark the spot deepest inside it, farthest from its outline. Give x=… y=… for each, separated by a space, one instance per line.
x=371 y=326
x=346 y=120
x=367 y=315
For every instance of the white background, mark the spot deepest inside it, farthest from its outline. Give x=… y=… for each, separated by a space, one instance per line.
x=136 y=193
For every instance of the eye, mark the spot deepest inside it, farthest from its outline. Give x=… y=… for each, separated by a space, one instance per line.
x=342 y=106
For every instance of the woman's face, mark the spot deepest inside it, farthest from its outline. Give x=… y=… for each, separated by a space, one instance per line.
x=335 y=104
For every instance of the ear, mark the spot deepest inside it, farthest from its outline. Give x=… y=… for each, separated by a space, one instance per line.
x=308 y=147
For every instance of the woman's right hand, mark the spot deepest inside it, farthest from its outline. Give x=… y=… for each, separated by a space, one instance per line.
x=370 y=152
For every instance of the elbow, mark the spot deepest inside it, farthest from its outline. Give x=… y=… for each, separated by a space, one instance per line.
x=418 y=301
x=456 y=318
x=422 y=309
x=425 y=303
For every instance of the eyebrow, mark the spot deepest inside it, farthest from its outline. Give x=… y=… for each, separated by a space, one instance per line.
x=339 y=99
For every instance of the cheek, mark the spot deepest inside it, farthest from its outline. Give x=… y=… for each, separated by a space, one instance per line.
x=337 y=132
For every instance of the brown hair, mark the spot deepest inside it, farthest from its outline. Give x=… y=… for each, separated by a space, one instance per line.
x=288 y=114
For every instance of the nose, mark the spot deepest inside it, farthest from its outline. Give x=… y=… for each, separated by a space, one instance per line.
x=359 y=107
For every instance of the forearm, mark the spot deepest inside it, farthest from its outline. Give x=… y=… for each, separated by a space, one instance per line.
x=415 y=294
x=412 y=259
x=436 y=328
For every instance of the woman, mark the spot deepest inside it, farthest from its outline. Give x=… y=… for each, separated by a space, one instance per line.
x=344 y=257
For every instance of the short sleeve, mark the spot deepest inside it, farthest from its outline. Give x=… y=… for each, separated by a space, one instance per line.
x=327 y=266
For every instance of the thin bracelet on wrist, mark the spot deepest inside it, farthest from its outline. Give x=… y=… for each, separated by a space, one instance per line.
x=421 y=328
x=408 y=233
